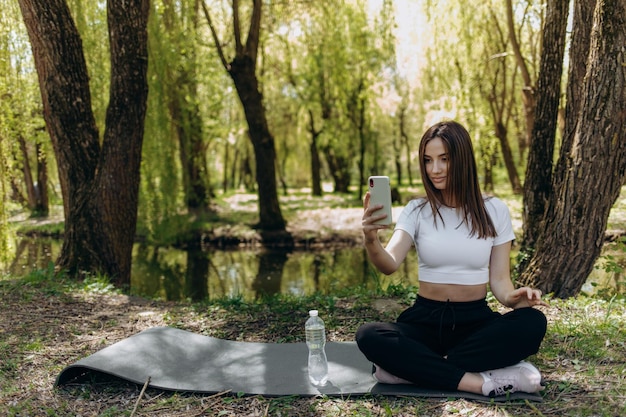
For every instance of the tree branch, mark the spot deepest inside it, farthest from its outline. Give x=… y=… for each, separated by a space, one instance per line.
x=216 y=40
x=237 y=28
x=252 y=43
x=515 y=44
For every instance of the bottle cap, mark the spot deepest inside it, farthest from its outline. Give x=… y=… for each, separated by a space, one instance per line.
x=313 y=313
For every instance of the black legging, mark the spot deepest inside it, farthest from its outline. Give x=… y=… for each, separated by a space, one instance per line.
x=433 y=343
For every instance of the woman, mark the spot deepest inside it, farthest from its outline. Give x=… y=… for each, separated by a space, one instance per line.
x=450 y=338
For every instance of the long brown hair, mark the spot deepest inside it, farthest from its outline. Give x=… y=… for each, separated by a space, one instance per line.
x=462 y=178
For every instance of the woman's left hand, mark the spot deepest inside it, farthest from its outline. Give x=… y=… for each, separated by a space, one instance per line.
x=524 y=297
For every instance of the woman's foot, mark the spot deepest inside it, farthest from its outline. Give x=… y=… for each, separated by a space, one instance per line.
x=384 y=377
x=522 y=376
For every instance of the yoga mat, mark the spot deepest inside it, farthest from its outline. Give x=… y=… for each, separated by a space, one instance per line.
x=178 y=360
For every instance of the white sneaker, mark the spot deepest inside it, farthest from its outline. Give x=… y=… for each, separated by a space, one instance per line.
x=522 y=376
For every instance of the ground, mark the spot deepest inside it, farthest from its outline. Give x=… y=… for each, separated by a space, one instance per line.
x=42 y=330
x=44 y=326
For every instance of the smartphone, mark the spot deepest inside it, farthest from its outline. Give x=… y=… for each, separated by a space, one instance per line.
x=380 y=192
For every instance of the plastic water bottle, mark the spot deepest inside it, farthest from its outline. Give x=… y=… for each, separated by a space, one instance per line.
x=316 y=341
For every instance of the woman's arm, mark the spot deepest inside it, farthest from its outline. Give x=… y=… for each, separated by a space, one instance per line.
x=386 y=259
x=501 y=284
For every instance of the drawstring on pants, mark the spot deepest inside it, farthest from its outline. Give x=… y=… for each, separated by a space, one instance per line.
x=442 y=317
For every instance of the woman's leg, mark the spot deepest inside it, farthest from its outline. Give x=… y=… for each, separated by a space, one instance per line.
x=403 y=350
x=504 y=341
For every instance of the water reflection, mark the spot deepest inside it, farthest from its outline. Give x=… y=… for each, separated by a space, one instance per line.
x=195 y=274
x=32 y=254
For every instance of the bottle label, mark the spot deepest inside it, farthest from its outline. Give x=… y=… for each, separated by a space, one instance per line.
x=313 y=345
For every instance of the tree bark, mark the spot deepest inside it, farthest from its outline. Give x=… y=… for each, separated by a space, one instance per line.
x=99 y=184
x=62 y=71
x=578 y=211
x=118 y=175
x=579 y=52
x=538 y=182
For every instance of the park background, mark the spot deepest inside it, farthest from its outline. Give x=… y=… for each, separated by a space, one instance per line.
x=142 y=122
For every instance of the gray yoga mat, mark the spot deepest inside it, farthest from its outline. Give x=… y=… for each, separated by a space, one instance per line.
x=177 y=360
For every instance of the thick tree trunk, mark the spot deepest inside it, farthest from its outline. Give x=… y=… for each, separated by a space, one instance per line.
x=118 y=176
x=62 y=71
x=579 y=52
x=242 y=71
x=595 y=165
x=99 y=186
x=538 y=182
x=64 y=85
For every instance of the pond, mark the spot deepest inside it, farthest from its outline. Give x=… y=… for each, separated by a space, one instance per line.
x=176 y=274
x=194 y=274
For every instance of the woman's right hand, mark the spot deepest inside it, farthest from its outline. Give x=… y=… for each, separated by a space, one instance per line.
x=370 y=230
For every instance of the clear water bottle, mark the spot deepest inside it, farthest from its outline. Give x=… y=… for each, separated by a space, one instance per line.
x=316 y=341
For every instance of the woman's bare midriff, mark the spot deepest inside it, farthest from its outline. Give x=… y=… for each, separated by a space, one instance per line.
x=452 y=292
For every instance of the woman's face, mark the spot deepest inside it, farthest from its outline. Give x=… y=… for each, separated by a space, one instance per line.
x=436 y=160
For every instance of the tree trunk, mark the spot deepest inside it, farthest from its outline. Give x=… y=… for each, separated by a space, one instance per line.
x=339 y=169
x=118 y=176
x=578 y=211
x=57 y=49
x=182 y=88
x=538 y=182
x=507 y=155
x=579 y=52
x=42 y=206
x=242 y=71
x=188 y=123
x=99 y=185
x=36 y=191
x=316 y=164
x=403 y=140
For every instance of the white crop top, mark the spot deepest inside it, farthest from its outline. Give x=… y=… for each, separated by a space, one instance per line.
x=446 y=253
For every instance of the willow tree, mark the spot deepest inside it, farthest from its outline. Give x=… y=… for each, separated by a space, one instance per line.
x=99 y=180
x=21 y=119
x=473 y=76
x=497 y=83
x=180 y=79
x=4 y=186
x=591 y=168
x=334 y=58
x=9 y=14
x=241 y=65
x=313 y=60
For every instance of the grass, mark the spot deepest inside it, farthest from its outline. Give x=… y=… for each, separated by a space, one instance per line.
x=48 y=322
